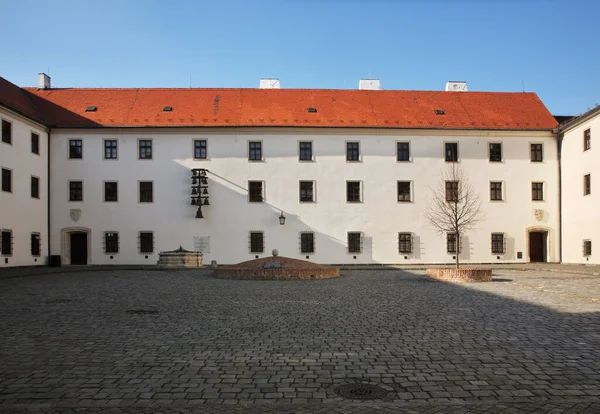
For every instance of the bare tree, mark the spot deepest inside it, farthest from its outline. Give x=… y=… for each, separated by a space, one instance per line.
x=454 y=206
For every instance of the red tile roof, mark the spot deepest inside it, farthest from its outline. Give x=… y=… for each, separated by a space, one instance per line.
x=289 y=108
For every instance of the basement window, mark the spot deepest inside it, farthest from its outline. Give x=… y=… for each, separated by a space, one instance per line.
x=91 y=109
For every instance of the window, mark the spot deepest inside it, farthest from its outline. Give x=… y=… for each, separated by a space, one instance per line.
x=587 y=139
x=352 y=151
x=111 y=242
x=35 y=143
x=498 y=243
x=200 y=147
x=404 y=243
x=75 y=190
x=496 y=191
x=306 y=151
x=257 y=242
x=354 y=242
x=111 y=191
x=537 y=152
x=7 y=180
x=451 y=151
x=353 y=191
x=146 y=192
x=587 y=247
x=403 y=151
x=451 y=243
x=452 y=191
x=75 y=149
x=6 y=132
x=537 y=191
x=587 y=184
x=110 y=149
x=35 y=244
x=495 y=152
x=255 y=151
x=6 y=243
x=307 y=193
x=145 y=149
x=35 y=187
x=307 y=242
x=404 y=191
x=256 y=192
x=146 y=242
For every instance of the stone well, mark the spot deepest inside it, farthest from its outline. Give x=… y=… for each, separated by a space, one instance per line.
x=180 y=258
x=277 y=268
x=466 y=275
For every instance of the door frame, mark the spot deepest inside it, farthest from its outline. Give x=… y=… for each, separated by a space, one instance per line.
x=549 y=242
x=65 y=235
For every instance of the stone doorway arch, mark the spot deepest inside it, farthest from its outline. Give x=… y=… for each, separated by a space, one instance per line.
x=65 y=243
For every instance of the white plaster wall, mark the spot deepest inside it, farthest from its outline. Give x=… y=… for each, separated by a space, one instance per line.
x=20 y=212
x=581 y=213
x=230 y=217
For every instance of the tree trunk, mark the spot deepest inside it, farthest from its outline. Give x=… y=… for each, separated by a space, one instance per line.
x=457 y=248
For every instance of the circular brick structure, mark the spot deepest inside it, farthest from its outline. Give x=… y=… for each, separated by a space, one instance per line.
x=461 y=275
x=277 y=268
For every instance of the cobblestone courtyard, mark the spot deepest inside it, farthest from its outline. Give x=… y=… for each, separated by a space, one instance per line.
x=169 y=341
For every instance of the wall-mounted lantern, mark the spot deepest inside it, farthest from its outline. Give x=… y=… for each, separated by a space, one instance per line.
x=199 y=190
x=282 y=219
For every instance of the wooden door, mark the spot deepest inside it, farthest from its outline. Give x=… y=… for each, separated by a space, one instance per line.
x=537 y=246
x=79 y=248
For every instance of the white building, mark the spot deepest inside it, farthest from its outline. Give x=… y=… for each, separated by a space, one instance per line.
x=579 y=196
x=23 y=180
x=350 y=170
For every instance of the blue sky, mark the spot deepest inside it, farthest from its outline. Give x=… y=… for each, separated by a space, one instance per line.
x=546 y=46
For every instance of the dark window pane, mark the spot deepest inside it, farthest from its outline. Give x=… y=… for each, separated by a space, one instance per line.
x=587 y=139
x=6 y=132
x=404 y=191
x=498 y=243
x=35 y=244
x=146 y=242
x=145 y=149
x=255 y=191
x=307 y=242
x=451 y=149
x=257 y=242
x=111 y=242
x=35 y=187
x=403 y=151
x=587 y=184
x=306 y=151
x=537 y=153
x=404 y=242
x=6 y=180
x=200 y=149
x=307 y=191
x=75 y=190
x=110 y=149
x=75 y=149
x=587 y=247
x=6 y=243
x=110 y=191
x=495 y=152
x=451 y=243
x=352 y=151
x=353 y=191
x=354 y=242
x=496 y=191
x=537 y=191
x=35 y=143
x=451 y=190
x=255 y=151
x=146 y=192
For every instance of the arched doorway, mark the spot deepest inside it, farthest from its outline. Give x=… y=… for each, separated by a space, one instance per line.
x=75 y=246
x=539 y=244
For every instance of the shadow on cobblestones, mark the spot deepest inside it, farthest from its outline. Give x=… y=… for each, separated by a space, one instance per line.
x=68 y=342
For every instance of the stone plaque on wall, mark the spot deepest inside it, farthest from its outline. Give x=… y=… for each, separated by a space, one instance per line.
x=202 y=244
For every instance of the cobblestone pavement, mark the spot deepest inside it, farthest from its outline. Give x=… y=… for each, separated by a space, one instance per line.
x=142 y=341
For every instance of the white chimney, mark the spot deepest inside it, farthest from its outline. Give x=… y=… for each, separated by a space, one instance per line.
x=456 y=86
x=269 y=83
x=369 y=84
x=43 y=81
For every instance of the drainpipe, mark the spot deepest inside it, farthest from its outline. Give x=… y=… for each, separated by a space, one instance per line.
x=48 y=194
x=559 y=138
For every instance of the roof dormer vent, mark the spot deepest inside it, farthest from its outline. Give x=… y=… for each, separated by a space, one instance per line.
x=168 y=109
x=439 y=112
x=312 y=110
x=91 y=109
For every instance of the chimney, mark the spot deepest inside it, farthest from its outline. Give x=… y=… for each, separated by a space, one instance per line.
x=456 y=86
x=43 y=81
x=369 y=85
x=269 y=83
